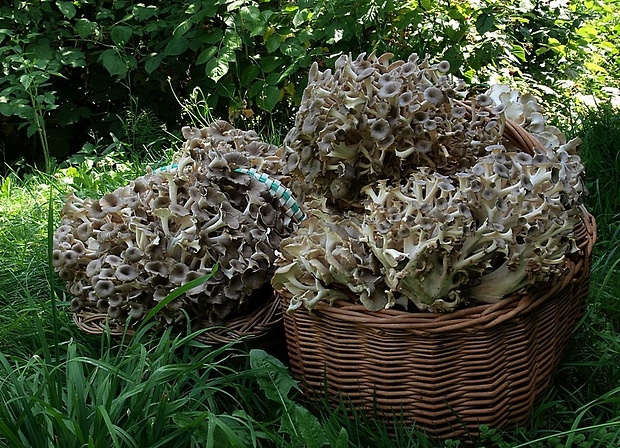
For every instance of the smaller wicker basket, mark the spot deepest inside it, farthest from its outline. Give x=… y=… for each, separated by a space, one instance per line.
x=447 y=373
x=256 y=325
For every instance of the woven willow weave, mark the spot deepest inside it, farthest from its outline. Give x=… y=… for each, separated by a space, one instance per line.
x=260 y=323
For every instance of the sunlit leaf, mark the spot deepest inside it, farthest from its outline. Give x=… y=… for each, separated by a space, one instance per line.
x=594 y=67
x=519 y=52
x=206 y=55
x=67 y=8
x=216 y=68
x=85 y=27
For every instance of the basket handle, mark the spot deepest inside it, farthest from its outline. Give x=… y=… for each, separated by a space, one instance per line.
x=283 y=194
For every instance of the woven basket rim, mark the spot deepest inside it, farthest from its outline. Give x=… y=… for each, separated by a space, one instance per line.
x=250 y=326
x=474 y=318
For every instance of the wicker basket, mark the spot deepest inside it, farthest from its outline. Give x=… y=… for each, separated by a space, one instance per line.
x=447 y=373
x=256 y=325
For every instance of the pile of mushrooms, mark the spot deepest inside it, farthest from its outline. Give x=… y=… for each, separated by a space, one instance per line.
x=414 y=197
x=411 y=196
x=125 y=252
x=371 y=119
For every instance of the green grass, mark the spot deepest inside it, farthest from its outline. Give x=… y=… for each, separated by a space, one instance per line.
x=174 y=392
x=168 y=392
x=599 y=128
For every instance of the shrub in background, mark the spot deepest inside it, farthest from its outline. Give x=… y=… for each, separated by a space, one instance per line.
x=74 y=64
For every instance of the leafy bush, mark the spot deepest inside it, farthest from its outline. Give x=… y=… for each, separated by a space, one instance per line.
x=69 y=67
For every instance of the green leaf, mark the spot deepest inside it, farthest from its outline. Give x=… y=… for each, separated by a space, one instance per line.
x=272 y=376
x=292 y=68
x=268 y=98
x=225 y=88
x=153 y=62
x=73 y=58
x=70 y=113
x=292 y=48
x=216 y=68
x=26 y=80
x=32 y=128
x=213 y=37
x=234 y=4
x=336 y=32
x=114 y=62
x=142 y=12
x=300 y=17
x=5 y=33
x=176 y=46
x=273 y=43
x=588 y=31
x=426 y=4
x=6 y=109
x=183 y=28
x=343 y=439
x=311 y=433
x=485 y=22
x=249 y=74
x=232 y=41
x=85 y=27
x=270 y=63
x=249 y=15
x=112 y=428
x=41 y=51
x=519 y=52
x=206 y=55
x=253 y=20
x=256 y=88
x=121 y=34
x=176 y=293
x=48 y=98
x=273 y=79
x=591 y=66
x=67 y=9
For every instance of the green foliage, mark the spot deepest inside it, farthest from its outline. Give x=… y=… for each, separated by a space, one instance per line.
x=23 y=260
x=69 y=66
x=599 y=129
x=168 y=393
x=259 y=406
x=67 y=69
x=297 y=422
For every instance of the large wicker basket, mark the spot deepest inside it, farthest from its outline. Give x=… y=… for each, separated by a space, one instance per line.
x=257 y=325
x=447 y=373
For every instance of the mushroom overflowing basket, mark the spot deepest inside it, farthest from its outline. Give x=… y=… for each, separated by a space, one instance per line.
x=444 y=260
x=428 y=248
x=125 y=253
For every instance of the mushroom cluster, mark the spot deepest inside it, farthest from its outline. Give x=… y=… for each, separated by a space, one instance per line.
x=125 y=252
x=371 y=118
x=469 y=221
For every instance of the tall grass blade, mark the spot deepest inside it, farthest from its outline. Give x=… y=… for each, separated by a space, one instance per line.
x=176 y=293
